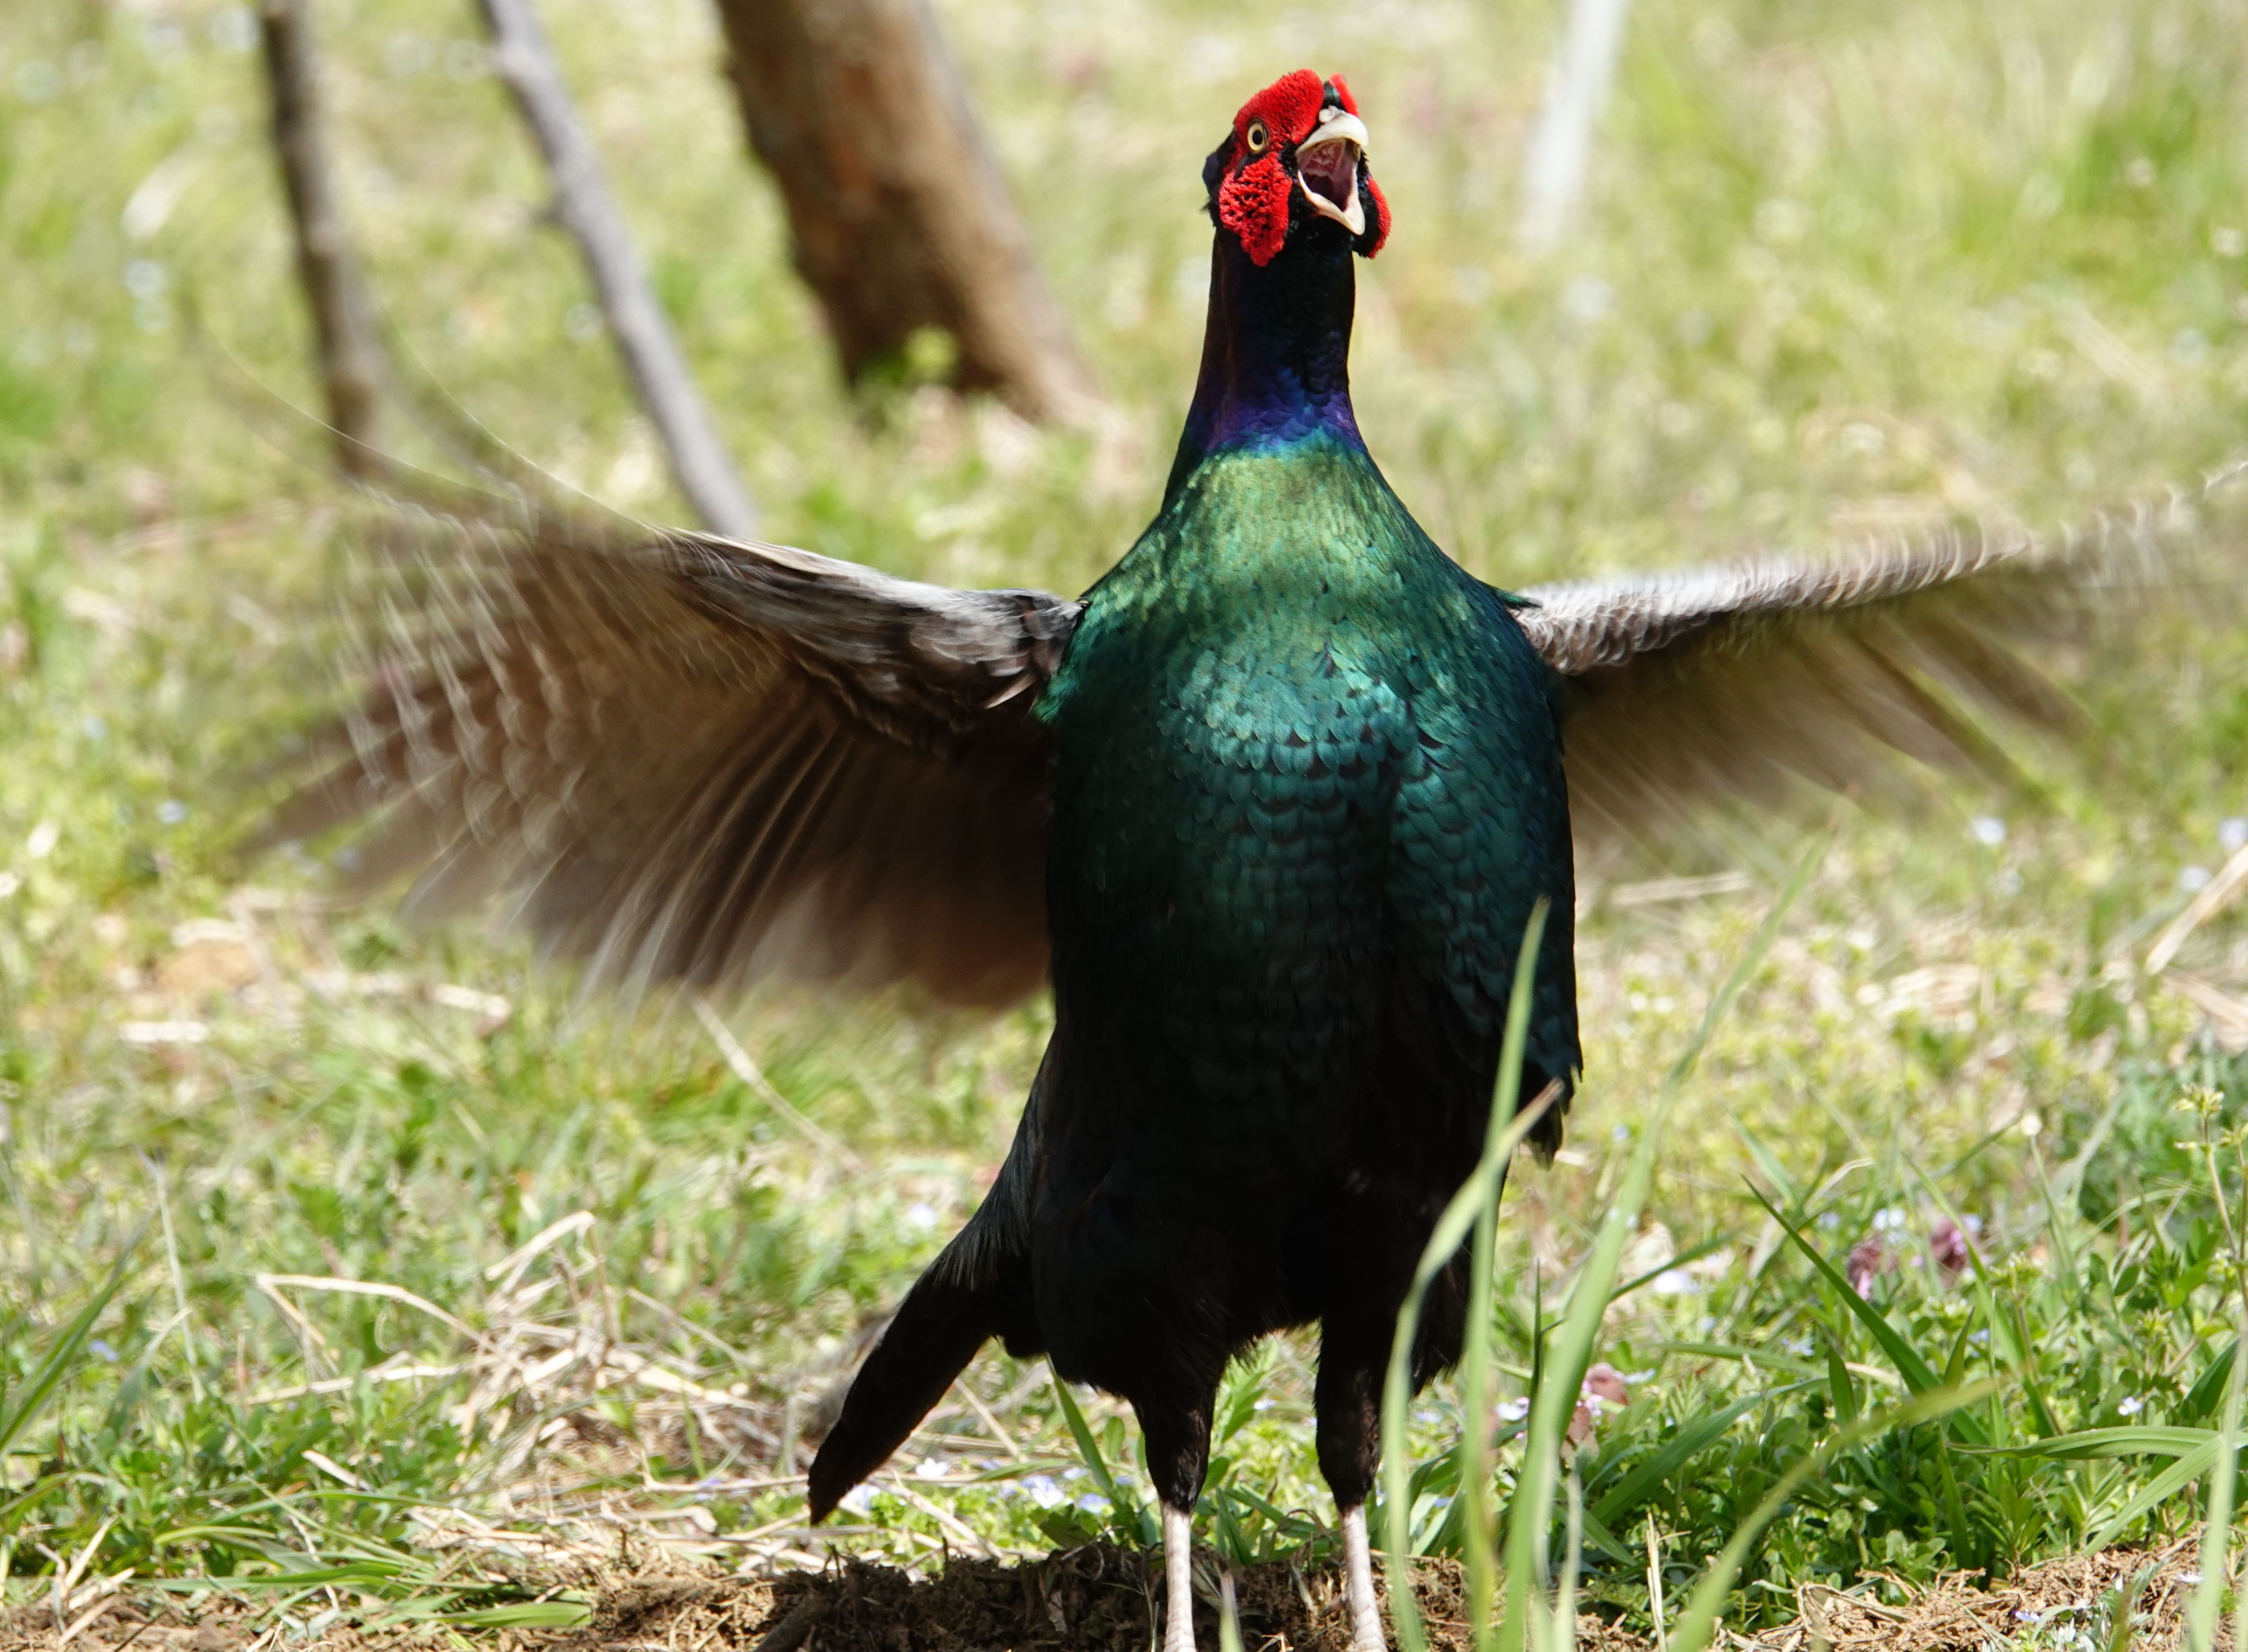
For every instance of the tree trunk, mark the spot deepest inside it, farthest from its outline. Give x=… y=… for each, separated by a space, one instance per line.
x=899 y=215
x=353 y=367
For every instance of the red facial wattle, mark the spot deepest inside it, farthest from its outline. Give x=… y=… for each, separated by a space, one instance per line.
x=1294 y=118
x=1253 y=204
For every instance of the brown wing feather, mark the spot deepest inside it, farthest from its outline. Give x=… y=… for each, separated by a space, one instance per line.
x=687 y=758
x=1735 y=685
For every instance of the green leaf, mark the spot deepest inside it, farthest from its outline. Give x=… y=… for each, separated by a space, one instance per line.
x=2156 y=1491
x=2152 y=1440
x=1840 y=1388
x=2208 y=1391
x=527 y=1614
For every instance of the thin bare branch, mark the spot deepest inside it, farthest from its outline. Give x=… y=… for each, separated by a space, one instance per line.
x=526 y=62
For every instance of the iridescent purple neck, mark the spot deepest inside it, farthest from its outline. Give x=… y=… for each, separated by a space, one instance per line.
x=1275 y=352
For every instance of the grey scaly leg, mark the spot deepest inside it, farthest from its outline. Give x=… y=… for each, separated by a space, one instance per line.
x=1178 y=1580
x=1358 y=1574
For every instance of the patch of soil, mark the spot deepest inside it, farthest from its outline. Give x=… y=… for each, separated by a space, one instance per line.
x=1105 y=1599
x=1096 y=1598
x=2079 y=1591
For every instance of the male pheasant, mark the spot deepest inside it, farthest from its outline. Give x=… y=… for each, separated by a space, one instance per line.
x=1271 y=807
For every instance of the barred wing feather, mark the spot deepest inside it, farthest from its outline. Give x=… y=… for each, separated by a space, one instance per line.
x=682 y=757
x=1737 y=684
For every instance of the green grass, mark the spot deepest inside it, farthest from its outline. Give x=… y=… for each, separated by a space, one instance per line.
x=1843 y=270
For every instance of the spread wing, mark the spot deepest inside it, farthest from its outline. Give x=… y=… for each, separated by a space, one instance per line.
x=1735 y=684
x=683 y=757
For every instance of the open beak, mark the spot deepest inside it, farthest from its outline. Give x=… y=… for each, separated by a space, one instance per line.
x=1326 y=168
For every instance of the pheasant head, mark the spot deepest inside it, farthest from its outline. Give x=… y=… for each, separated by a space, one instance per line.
x=1293 y=168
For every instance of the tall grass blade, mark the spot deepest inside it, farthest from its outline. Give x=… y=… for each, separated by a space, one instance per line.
x=1529 y=1518
x=1572 y=1564
x=30 y=1399
x=1475 y=1487
x=1509 y=1124
x=2216 y=1530
x=1130 y=1514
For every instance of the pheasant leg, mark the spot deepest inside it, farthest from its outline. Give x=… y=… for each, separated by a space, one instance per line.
x=1358 y=1582
x=1178 y=1580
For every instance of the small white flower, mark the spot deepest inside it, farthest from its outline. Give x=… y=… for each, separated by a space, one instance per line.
x=1262 y=1405
x=1987 y=830
x=2130 y=1406
x=1675 y=1281
x=929 y=1469
x=921 y=1216
x=1093 y=1503
x=859 y=1500
x=1888 y=1221
x=1514 y=1410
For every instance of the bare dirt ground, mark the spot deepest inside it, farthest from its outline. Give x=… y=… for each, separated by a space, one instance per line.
x=1104 y=1600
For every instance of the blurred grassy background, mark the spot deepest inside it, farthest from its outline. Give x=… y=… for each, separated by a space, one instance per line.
x=1843 y=270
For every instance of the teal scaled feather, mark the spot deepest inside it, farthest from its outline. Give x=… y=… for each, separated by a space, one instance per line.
x=1296 y=745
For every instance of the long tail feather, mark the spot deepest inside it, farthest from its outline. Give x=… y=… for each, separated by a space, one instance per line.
x=977 y=1289
x=937 y=1330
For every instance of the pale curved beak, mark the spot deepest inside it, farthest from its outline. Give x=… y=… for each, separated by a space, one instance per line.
x=1327 y=168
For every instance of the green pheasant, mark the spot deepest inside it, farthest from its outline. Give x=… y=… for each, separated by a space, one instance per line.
x=1271 y=808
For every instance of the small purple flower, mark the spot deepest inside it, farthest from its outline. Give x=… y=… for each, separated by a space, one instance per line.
x=1869 y=1258
x=1603 y=1388
x=1950 y=1247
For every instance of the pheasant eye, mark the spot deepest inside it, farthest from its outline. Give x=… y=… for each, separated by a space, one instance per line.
x=1256 y=137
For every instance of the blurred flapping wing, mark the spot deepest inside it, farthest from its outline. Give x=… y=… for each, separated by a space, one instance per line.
x=686 y=758
x=1734 y=685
